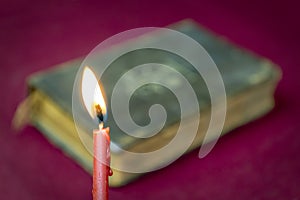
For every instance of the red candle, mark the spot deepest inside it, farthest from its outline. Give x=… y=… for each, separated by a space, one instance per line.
x=101 y=163
x=95 y=105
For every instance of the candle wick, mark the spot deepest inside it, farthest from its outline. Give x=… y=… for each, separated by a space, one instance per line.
x=101 y=125
x=99 y=113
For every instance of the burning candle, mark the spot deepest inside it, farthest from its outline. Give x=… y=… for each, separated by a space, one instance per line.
x=95 y=105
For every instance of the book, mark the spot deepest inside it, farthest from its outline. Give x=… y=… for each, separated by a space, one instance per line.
x=249 y=80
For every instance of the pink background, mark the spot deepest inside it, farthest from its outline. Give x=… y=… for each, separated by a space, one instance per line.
x=257 y=161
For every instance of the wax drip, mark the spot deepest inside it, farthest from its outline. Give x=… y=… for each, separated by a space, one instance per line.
x=110 y=172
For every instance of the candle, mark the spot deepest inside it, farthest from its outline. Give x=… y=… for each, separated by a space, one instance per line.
x=101 y=170
x=95 y=105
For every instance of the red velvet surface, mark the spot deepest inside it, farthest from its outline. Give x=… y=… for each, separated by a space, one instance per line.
x=257 y=161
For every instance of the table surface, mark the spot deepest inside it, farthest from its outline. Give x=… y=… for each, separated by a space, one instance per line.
x=257 y=161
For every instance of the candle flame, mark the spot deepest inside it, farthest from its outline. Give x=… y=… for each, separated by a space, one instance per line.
x=91 y=94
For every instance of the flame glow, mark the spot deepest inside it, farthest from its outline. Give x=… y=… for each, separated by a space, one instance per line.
x=91 y=92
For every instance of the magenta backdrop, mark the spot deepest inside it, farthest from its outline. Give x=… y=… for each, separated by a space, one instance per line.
x=257 y=161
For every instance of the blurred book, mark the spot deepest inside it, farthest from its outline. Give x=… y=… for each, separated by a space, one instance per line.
x=249 y=81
